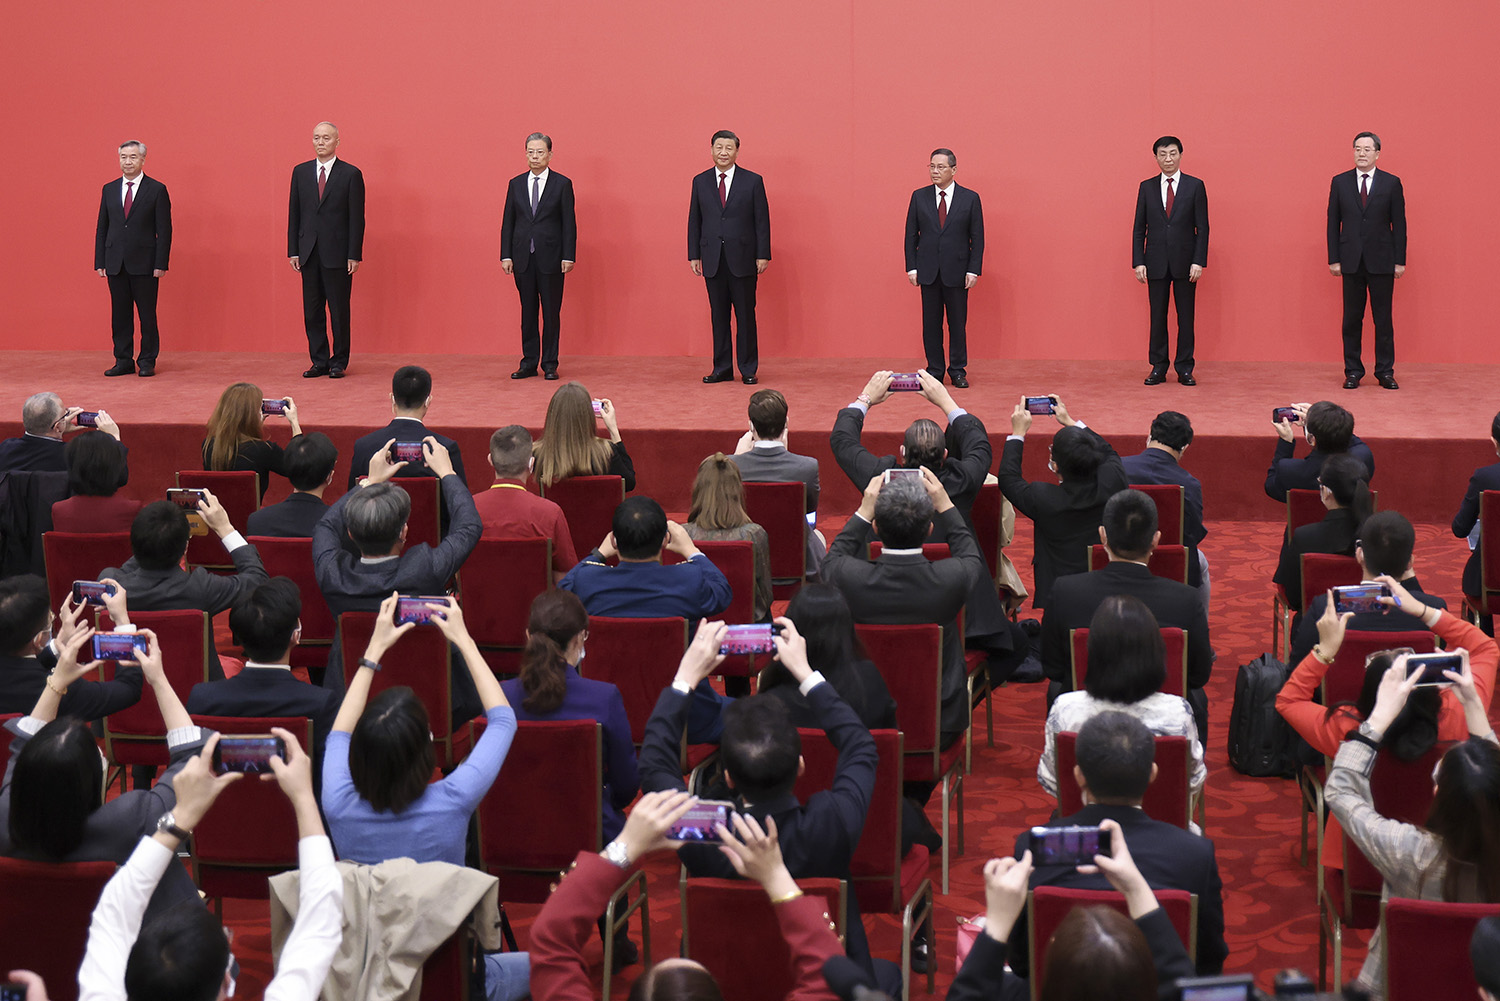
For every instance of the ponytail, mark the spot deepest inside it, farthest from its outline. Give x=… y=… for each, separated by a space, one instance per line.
x=543 y=675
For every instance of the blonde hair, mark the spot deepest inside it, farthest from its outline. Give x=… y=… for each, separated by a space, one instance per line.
x=569 y=445
x=236 y=419
x=718 y=495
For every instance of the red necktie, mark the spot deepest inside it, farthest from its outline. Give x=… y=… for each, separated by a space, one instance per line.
x=942 y=208
x=322 y=180
x=1364 y=190
x=1171 y=195
x=721 y=191
x=129 y=199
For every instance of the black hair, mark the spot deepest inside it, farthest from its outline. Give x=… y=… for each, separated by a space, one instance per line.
x=725 y=134
x=1130 y=524
x=159 y=535
x=56 y=783
x=309 y=460
x=639 y=525
x=760 y=747
x=1172 y=429
x=822 y=617
x=390 y=751
x=1347 y=480
x=924 y=445
x=1115 y=752
x=263 y=623
x=952 y=160
x=903 y=514
x=25 y=610
x=1368 y=135
x=1331 y=426
x=1078 y=454
x=95 y=464
x=181 y=955
x=411 y=386
x=1415 y=729
x=1166 y=141
x=1495 y=427
x=1127 y=658
x=1387 y=539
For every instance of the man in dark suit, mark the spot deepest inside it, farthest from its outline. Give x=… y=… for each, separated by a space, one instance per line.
x=763 y=457
x=309 y=462
x=1367 y=249
x=132 y=245
x=325 y=239
x=27 y=657
x=1115 y=765
x=411 y=397
x=1161 y=463
x=1129 y=536
x=729 y=244
x=1169 y=252
x=1466 y=522
x=538 y=245
x=944 y=254
x=40 y=449
x=1329 y=429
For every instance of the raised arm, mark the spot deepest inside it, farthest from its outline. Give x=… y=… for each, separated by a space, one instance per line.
x=382 y=639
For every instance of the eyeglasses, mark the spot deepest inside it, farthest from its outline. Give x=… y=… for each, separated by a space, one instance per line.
x=1395 y=654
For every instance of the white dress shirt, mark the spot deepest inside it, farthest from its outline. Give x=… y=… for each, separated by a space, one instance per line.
x=136 y=180
x=1176 y=180
x=1369 y=185
x=937 y=195
x=540 y=180
x=728 y=180
x=326 y=166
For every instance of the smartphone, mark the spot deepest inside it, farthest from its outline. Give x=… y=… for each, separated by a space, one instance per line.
x=1040 y=405
x=12 y=991
x=754 y=638
x=188 y=497
x=1067 y=845
x=413 y=607
x=598 y=408
x=86 y=418
x=406 y=451
x=119 y=646
x=247 y=753
x=1432 y=665
x=897 y=472
x=91 y=592
x=698 y=823
x=1279 y=414
x=905 y=382
x=1360 y=598
x=1234 y=987
x=270 y=407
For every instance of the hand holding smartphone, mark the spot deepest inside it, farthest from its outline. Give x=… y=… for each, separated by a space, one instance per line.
x=1431 y=667
x=91 y=592
x=897 y=472
x=413 y=608
x=1360 y=598
x=407 y=451
x=86 y=418
x=697 y=825
x=249 y=754
x=1290 y=414
x=1041 y=405
x=754 y=638
x=905 y=382
x=272 y=408
x=119 y=646
x=188 y=497
x=1067 y=845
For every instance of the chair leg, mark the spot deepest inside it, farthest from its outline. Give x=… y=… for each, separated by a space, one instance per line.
x=969 y=742
x=1338 y=954
x=945 y=846
x=1322 y=945
x=989 y=716
x=958 y=783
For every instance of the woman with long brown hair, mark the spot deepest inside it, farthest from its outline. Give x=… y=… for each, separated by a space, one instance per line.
x=718 y=515
x=570 y=445
x=237 y=434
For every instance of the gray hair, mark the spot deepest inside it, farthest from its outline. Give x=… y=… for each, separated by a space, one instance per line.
x=903 y=512
x=331 y=126
x=375 y=516
x=134 y=142
x=40 y=412
x=543 y=137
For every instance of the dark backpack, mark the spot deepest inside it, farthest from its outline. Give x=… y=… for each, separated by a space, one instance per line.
x=1261 y=743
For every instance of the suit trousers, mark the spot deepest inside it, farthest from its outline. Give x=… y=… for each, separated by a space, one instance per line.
x=540 y=293
x=326 y=284
x=1184 y=291
x=726 y=291
x=953 y=300
x=1379 y=289
x=128 y=295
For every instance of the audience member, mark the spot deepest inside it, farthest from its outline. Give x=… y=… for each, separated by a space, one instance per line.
x=570 y=445
x=718 y=515
x=561 y=973
x=764 y=457
x=96 y=468
x=1161 y=463
x=40 y=448
x=823 y=619
x=184 y=954
x=1385 y=546
x=1067 y=514
x=1127 y=668
x=1484 y=955
x=1466 y=522
x=1129 y=536
x=237 y=434
x=28 y=654
x=1329 y=429
x=903 y=587
x=509 y=511
x=411 y=397
x=308 y=463
x=1346 y=495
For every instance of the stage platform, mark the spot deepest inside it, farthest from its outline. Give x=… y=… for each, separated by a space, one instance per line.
x=1427 y=437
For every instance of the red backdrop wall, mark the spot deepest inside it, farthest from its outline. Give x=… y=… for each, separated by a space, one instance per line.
x=1051 y=108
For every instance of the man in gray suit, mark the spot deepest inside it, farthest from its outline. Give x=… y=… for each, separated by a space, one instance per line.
x=763 y=457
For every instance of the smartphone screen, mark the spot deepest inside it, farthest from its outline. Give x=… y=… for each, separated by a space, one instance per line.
x=896 y=472
x=250 y=753
x=1432 y=665
x=1040 y=405
x=118 y=646
x=413 y=607
x=12 y=991
x=1280 y=414
x=1360 y=598
x=905 y=382
x=91 y=591
x=698 y=823
x=1238 y=987
x=598 y=408
x=270 y=407
x=1067 y=845
x=406 y=451
x=186 y=497
x=86 y=418
x=755 y=638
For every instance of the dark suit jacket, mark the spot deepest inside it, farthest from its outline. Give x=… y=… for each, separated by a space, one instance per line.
x=22 y=680
x=553 y=229
x=1154 y=466
x=1374 y=235
x=1169 y=857
x=908 y=589
x=1288 y=473
x=1305 y=636
x=962 y=473
x=1484 y=478
x=777 y=465
x=336 y=224
x=35 y=453
x=269 y=691
x=944 y=254
x=1335 y=534
x=401 y=429
x=293 y=518
x=1168 y=248
x=140 y=244
x=741 y=228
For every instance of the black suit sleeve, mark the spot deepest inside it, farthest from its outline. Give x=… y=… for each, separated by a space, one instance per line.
x=293 y=219
x=763 y=221
x=975 y=455
x=455 y=457
x=1361 y=451
x=1212 y=950
x=508 y=222
x=1012 y=483
x=1334 y=220
x=569 y=225
x=163 y=228
x=1138 y=234
x=976 y=239
x=620 y=465
x=95 y=699
x=1274 y=487
x=464 y=528
x=660 y=764
x=1056 y=656
x=1398 y=223
x=848 y=546
x=984 y=976
x=911 y=233
x=1468 y=511
x=101 y=231
x=695 y=224
x=857 y=462
x=220 y=593
x=962 y=547
x=357 y=217
x=1200 y=651
x=854 y=779
x=1200 y=223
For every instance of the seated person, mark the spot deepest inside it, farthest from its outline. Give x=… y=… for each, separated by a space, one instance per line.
x=1115 y=765
x=1067 y=514
x=1161 y=463
x=570 y=446
x=1386 y=543
x=40 y=448
x=1484 y=956
x=28 y=656
x=95 y=467
x=903 y=587
x=154 y=576
x=1329 y=429
x=823 y=619
x=411 y=398
x=718 y=515
x=237 y=434
x=308 y=462
x=509 y=511
x=1346 y=495
x=763 y=457
x=1466 y=522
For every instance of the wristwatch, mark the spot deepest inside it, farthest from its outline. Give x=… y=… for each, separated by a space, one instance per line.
x=615 y=853
x=168 y=825
x=373 y=665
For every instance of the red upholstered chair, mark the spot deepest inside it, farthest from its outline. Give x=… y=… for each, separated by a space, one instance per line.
x=1046 y=906
x=746 y=953
x=588 y=502
x=1174 y=639
x=1170 y=562
x=1303 y=507
x=238 y=493
x=1487 y=602
x=1346 y=675
x=445 y=975
x=45 y=909
x=251 y=833
x=781 y=509
x=1169 y=799
x=637 y=656
x=987 y=514
x=736 y=561
x=499 y=581
x=425 y=523
x=74 y=556
x=1320 y=571
x=1427 y=948
x=910 y=659
x=1171 y=509
x=136 y=734
x=291 y=557
x=932 y=550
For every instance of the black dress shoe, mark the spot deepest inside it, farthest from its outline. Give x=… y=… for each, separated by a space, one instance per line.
x=750 y=380
x=146 y=371
x=524 y=373
x=1351 y=382
x=1387 y=381
x=960 y=382
x=1157 y=377
x=335 y=373
x=314 y=372
x=716 y=377
x=550 y=376
x=121 y=368
x=1186 y=378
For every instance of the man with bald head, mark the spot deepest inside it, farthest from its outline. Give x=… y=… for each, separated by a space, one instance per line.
x=132 y=244
x=325 y=237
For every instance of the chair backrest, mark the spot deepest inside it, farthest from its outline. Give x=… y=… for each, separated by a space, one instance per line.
x=1489 y=541
x=1303 y=507
x=1168 y=799
x=45 y=909
x=1399 y=790
x=910 y=659
x=184 y=638
x=934 y=551
x=74 y=556
x=1171 y=507
x=238 y=493
x=1046 y=906
x=1321 y=571
x=637 y=656
x=425 y=523
x=499 y=581
x=1170 y=562
x=736 y=561
x=781 y=509
x=5 y=739
x=419 y=659
x=1427 y=948
x=588 y=502
x=746 y=953
x=987 y=513
x=1174 y=640
x=1346 y=675
x=292 y=557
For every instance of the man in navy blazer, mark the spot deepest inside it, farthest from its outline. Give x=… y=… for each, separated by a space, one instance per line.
x=1464 y=523
x=1169 y=253
x=944 y=253
x=538 y=245
x=1329 y=429
x=309 y=462
x=1161 y=463
x=729 y=244
x=325 y=239
x=132 y=245
x=1367 y=249
x=41 y=449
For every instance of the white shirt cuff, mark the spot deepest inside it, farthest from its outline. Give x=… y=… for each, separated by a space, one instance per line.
x=233 y=541
x=1015 y=437
x=1080 y=424
x=314 y=850
x=956 y=413
x=861 y=517
x=183 y=735
x=29 y=725
x=682 y=687
x=812 y=681
x=970 y=274
x=861 y=406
